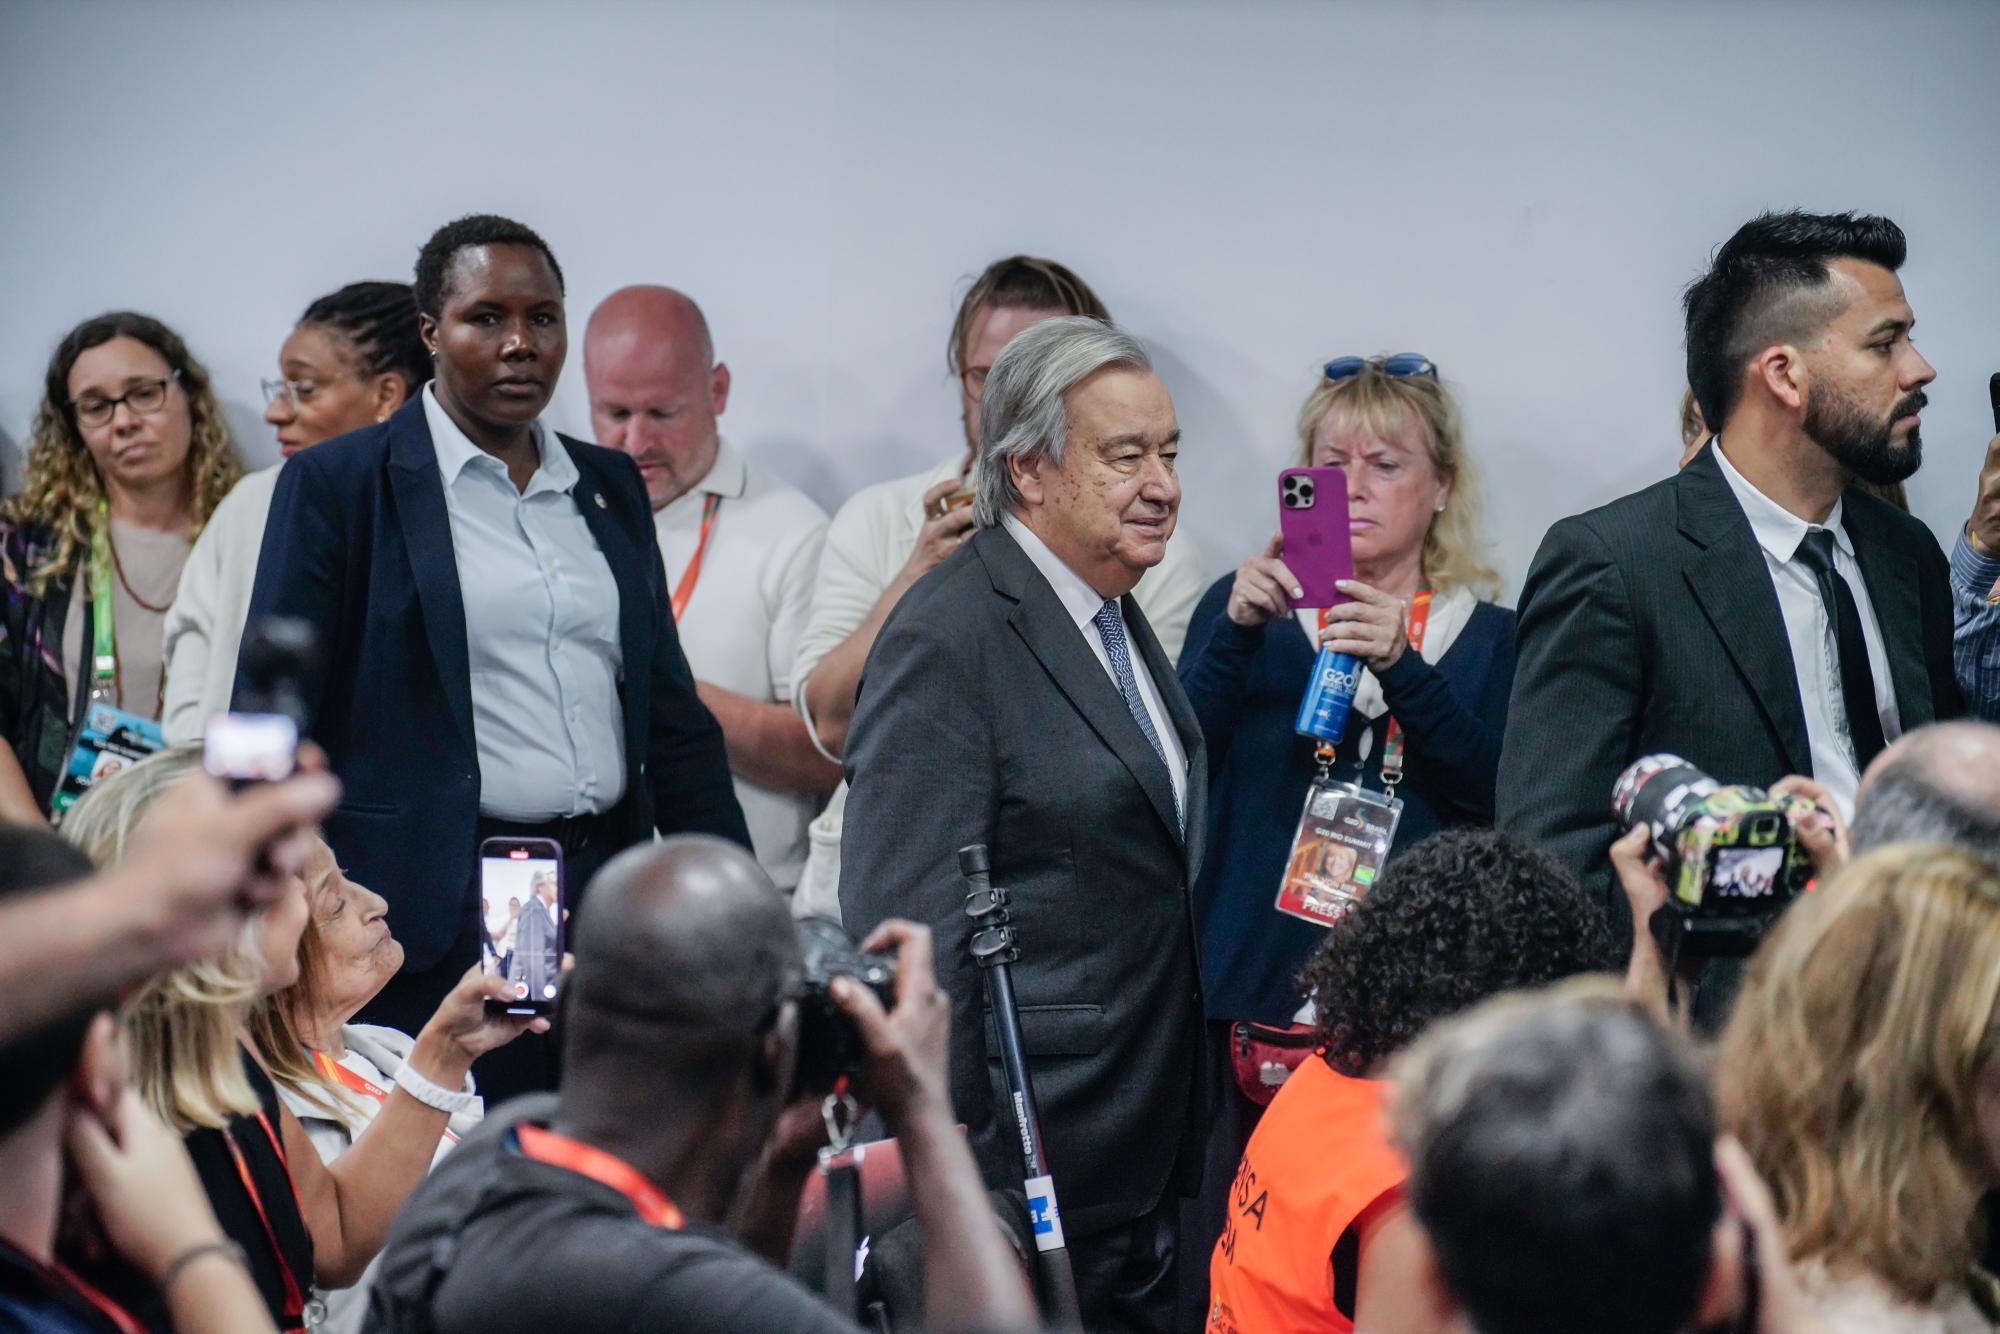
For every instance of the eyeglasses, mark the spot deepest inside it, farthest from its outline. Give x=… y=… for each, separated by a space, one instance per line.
x=1403 y=366
x=293 y=392
x=145 y=396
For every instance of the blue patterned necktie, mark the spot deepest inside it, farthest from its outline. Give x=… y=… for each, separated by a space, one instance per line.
x=1111 y=629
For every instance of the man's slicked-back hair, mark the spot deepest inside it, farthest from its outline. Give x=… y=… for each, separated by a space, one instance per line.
x=35 y=1064
x=1562 y=1163
x=1768 y=284
x=1020 y=282
x=1023 y=411
x=474 y=229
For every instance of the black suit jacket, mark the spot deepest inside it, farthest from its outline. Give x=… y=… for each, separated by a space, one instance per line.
x=358 y=543
x=1651 y=625
x=984 y=717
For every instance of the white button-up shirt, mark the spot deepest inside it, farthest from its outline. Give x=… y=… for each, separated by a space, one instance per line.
x=745 y=615
x=1081 y=601
x=541 y=631
x=1810 y=628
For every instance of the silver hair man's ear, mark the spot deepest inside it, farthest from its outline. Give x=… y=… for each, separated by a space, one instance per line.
x=1021 y=409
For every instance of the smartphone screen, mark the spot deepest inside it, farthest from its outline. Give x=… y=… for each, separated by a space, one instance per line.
x=250 y=747
x=523 y=909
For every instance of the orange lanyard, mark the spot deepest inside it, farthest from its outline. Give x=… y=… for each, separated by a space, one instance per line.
x=109 y=1309
x=1392 y=742
x=295 y=1304
x=347 y=1078
x=545 y=1146
x=684 y=590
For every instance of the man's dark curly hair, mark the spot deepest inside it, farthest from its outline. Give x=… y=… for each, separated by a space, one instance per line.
x=474 y=229
x=1461 y=916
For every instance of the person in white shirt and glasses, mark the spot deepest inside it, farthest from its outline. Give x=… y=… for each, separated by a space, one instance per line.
x=740 y=547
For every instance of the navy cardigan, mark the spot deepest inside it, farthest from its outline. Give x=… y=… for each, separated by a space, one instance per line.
x=1245 y=684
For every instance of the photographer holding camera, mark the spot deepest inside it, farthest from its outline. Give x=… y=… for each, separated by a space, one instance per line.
x=627 y=1200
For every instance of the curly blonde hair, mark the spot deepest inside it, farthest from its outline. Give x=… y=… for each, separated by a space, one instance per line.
x=1850 y=1065
x=1374 y=400
x=62 y=488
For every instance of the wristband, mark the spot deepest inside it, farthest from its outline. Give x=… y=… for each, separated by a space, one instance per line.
x=229 y=1250
x=431 y=1095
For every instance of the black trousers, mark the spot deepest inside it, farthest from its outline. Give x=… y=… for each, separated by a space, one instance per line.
x=530 y=1063
x=1126 y=1276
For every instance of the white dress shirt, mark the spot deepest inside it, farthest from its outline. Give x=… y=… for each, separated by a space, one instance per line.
x=205 y=624
x=541 y=631
x=1811 y=630
x=743 y=620
x=1081 y=601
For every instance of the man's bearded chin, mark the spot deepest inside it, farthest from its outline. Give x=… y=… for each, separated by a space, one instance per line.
x=1864 y=445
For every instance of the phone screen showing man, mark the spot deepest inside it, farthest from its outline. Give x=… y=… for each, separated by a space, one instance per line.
x=524 y=919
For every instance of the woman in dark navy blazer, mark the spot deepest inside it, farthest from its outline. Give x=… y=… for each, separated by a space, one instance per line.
x=497 y=654
x=1413 y=503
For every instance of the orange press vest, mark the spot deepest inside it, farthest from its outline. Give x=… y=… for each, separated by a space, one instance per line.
x=1318 y=1161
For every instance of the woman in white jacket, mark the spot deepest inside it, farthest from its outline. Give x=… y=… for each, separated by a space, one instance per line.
x=353 y=359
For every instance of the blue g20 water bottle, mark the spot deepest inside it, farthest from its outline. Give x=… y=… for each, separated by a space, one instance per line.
x=1329 y=697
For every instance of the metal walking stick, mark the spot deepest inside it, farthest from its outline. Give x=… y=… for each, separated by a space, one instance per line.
x=993 y=949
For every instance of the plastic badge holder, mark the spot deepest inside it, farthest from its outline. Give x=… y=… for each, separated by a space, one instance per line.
x=1343 y=838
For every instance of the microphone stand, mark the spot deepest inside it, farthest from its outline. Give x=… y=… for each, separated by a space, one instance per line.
x=993 y=949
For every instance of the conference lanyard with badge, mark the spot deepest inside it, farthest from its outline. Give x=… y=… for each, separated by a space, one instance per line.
x=1346 y=830
x=109 y=737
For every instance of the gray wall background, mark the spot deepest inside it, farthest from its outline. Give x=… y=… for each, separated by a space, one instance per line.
x=1518 y=189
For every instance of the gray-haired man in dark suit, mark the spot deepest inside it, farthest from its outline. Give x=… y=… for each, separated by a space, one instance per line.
x=536 y=958
x=1017 y=698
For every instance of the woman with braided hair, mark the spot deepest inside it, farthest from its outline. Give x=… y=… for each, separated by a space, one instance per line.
x=128 y=458
x=353 y=359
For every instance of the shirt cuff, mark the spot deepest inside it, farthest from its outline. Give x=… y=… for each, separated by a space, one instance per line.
x=1973 y=574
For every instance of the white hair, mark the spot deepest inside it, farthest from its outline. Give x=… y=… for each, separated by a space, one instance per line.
x=1021 y=411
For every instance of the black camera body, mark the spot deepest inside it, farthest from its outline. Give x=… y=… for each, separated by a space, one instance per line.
x=829 y=1045
x=1732 y=860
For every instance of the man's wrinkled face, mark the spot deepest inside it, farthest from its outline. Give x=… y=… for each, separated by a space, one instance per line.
x=1110 y=508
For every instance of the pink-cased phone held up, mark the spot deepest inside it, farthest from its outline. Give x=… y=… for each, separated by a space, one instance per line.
x=1312 y=515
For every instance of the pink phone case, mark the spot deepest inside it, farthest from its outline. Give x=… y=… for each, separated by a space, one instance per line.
x=1312 y=514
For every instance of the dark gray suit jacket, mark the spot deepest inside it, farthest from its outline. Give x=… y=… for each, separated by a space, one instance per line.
x=984 y=717
x=1651 y=624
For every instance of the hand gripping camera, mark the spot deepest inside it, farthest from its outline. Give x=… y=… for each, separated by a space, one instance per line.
x=1730 y=856
x=829 y=1044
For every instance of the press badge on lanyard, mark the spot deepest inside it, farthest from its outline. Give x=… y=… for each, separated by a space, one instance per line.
x=1345 y=831
x=110 y=738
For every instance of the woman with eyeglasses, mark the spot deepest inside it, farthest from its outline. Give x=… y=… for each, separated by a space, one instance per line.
x=354 y=358
x=128 y=458
x=1439 y=659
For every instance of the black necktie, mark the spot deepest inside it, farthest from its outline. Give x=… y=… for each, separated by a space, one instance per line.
x=1857 y=682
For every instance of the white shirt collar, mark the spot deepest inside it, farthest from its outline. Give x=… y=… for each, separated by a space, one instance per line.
x=1079 y=599
x=725 y=477
x=1777 y=529
x=455 y=450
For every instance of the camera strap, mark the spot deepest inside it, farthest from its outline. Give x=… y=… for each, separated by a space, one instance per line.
x=840 y=1164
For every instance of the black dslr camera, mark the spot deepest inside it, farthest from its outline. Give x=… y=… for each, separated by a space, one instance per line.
x=1731 y=858
x=829 y=1046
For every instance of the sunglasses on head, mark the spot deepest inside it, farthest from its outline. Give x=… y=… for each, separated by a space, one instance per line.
x=1402 y=365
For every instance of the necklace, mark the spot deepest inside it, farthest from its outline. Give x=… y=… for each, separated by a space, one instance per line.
x=118 y=567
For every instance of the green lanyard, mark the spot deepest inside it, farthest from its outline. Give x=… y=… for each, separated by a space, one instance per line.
x=104 y=644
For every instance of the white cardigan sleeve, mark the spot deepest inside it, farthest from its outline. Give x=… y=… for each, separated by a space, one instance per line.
x=205 y=623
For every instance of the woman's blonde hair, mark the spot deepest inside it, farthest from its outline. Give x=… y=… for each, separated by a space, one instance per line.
x=186 y=1062
x=1849 y=1064
x=62 y=489
x=1384 y=404
x=280 y=1043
